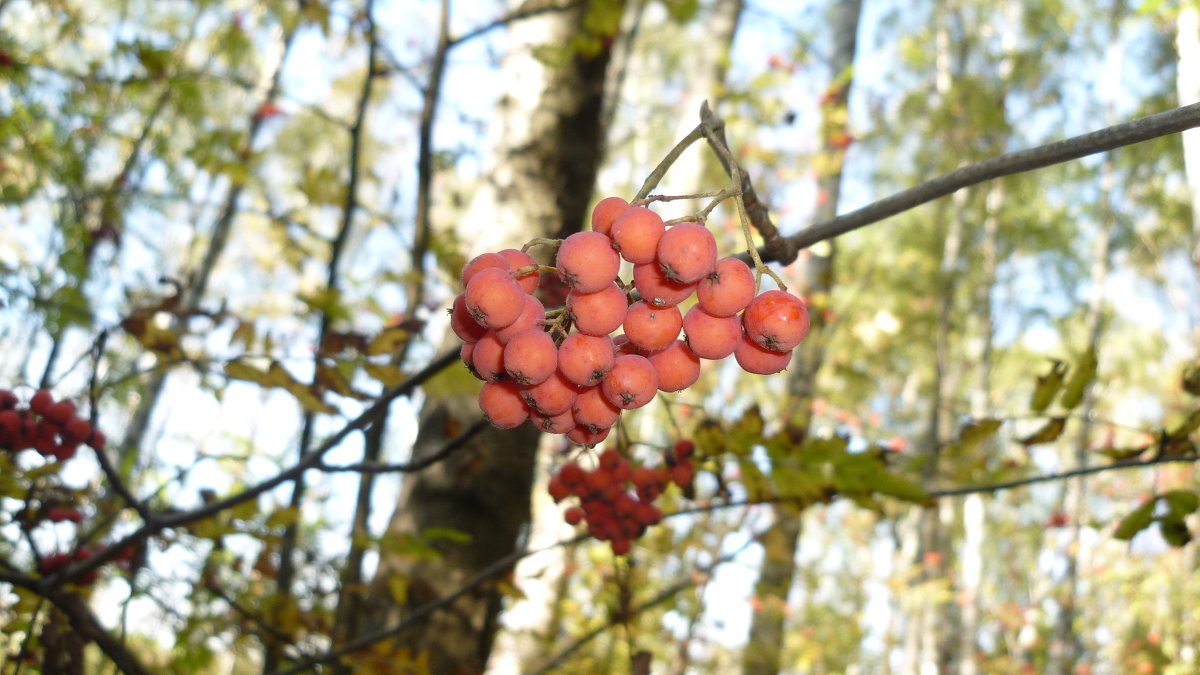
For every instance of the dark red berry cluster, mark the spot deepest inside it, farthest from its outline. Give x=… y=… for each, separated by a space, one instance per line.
x=579 y=383
x=50 y=427
x=56 y=561
x=616 y=500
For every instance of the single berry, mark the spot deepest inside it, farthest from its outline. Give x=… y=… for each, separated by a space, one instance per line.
x=652 y=328
x=584 y=436
x=532 y=315
x=40 y=401
x=573 y=515
x=727 y=289
x=530 y=357
x=502 y=405
x=776 y=320
x=754 y=359
x=481 y=262
x=587 y=262
x=711 y=337
x=60 y=412
x=558 y=489
x=465 y=353
x=632 y=382
x=554 y=396
x=462 y=323
x=553 y=424
x=593 y=410
x=598 y=313
x=636 y=232
x=687 y=253
x=98 y=440
x=585 y=359
x=517 y=260
x=493 y=298
x=488 y=358
x=620 y=546
x=677 y=367
x=656 y=289
x=684 y=448
x=571 y=473
x=606 y=212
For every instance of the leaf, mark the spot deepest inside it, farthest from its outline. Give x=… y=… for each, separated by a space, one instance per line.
x=240 y=370
x=1047 y=386
x=1187 y=426
x=398 y=588
x=1122 y=454
x=1182 y=502
x=388 y=374
x=283 y=517
x=388 y=341
x=1190 y=381
x=448 y=534
x=1175 y=531
x=1050 y=431
x=333 y=380
x=1138 y=520
x=976 y=432
x=1084 y=373
x=747 y=431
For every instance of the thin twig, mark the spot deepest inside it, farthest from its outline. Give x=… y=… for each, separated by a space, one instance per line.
x=449 y=448
x=661 y=170
x=527 y=11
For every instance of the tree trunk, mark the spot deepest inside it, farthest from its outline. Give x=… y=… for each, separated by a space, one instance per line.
x=814 y=272
x=546 y=141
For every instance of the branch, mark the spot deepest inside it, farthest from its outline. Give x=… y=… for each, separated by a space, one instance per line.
x=312 y=458
x=1109 y=138
x=445 y=451
x=1045 y=478
x=527 y=11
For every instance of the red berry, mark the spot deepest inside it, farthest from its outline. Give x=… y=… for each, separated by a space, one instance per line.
x=502 y=405
x=727 y=289
x=677 y=367
x=598 y=313
x=652 y=328
x=759 y=361
x=493 y=298
x=530 y=357
x=624 y=505
x=556 y=424
x=532 y=315
x=558 y=489
x=585 y=359
x=8 y=400
x=606 y=212
x=687 y=253
x=464 y=353
x=59 y=514
x=482 y=262
x=98 y=440
x=597 y=481
x=571 y=474
x=60 y=412
x=78 y=429
x=582 y=435
x=554 y=396
x=488 y=358
x=609 y=460
x=10 y=423
x=40 y=401
x=517 y=260
x=711 y=337
x=643 y=476
x=620 y=546
x=656 y=289
x=587 y=262
x=776 y=320
x=647 y=514
x=592 y=410
x=684 y=448
x=632 y=382
x=573 y=515
x=462 y=323
x=635 y=234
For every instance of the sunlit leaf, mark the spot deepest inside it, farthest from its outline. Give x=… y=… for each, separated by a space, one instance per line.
x=1175 y=530
x=1182 y=502
x=1047 y=386
x=390 y=375
x=388 y=341
x=1138 y=520
x=447 y=534
x=1190 y=380
x=1050 y=431
x=1081 y=376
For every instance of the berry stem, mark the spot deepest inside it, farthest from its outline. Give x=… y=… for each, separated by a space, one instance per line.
x=735 y=173
x=661 y=170
x=722 y=193
x=529 y=269
x=541 y=241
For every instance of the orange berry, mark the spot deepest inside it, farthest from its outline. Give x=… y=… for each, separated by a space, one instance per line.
x=571 y=473
x=607 y=211
x=585 y=359
x=598 y=313
x=481 y=262
x=573 y=515
x=554 y=396
x=656 y=289
x=592 y=410
x=487 y=357
x=532 y=314
x=677 y=367
x=754 y=359
x=632 y=382
x=587 y=262
x=502 y=405
x=776 y=320
x=687 y=253
x=582 y=435
x=727 y=289
x=652 y=328
x=555 y=424
x=518 y=259
x=711 y=337
x=530 y=357
x=462 y=323
x=493 y=298
x=558 y=489
x=635 y=234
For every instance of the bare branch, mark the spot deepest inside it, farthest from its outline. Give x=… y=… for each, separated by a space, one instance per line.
x=445 y=451
x=1050 y=477
x=527 y=11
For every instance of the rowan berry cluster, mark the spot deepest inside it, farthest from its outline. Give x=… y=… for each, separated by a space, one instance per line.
x=616 y=500
x=50 y=427
x=578 y=383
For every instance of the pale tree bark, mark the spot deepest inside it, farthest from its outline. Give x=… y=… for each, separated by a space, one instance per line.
x=814 y=279
x=1187 y=86
x=545 y=142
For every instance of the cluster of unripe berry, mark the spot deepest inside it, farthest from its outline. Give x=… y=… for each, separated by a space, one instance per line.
x=616 y=500
x=577 y=383
x=50 y=427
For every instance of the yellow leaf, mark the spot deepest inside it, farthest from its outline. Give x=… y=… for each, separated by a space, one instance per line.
x=387 y=342
x=389 y=375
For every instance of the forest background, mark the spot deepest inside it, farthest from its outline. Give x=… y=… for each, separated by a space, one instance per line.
x=229 y=232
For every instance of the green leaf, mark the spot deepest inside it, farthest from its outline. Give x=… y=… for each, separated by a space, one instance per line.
x=1187 y=426
x=1049 y=432
x=388 y=341
x=1182 y=502
x=976 y=432
x=1138 y=520
x=1175 y=531
x=388 y=374
x=1190 y=380
x=1081 y=377
x=1047 y=386
x=446 y=533
x=746 y=432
